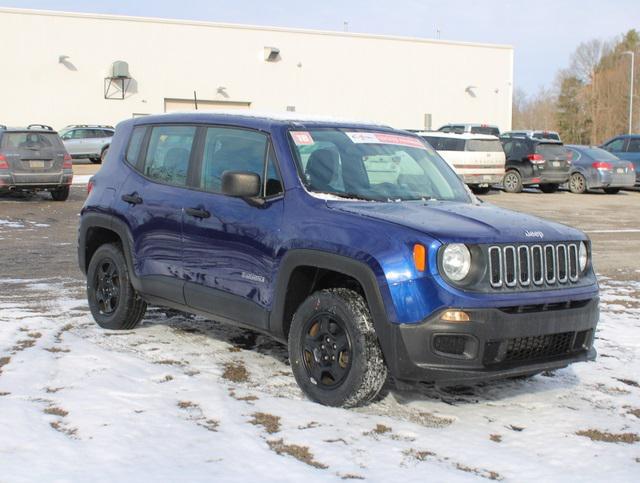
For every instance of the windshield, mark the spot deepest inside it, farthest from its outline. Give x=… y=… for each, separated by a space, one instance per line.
x=373 y=166
x=493 y=131
x=552 y=151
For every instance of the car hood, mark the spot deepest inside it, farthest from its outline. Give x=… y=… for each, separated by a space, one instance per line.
x=452 y=222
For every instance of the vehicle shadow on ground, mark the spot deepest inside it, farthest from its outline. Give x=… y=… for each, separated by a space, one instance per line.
x=403 y=394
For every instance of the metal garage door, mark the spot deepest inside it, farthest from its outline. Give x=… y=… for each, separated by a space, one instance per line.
x=172 y=105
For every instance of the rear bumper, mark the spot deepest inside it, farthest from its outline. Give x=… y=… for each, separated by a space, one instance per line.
x=614 y=180
x=36 y=181
x=496 y=343
x=483 y=179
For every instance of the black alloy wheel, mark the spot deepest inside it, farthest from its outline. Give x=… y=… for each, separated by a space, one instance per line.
x=326 y=350
x=107 y=287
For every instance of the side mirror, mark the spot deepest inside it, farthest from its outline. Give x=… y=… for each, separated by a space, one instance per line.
x=241 y=184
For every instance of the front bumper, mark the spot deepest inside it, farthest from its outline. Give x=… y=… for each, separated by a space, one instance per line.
x=496 y=343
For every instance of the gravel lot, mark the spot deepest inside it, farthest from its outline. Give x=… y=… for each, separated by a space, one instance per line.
x=182 y=398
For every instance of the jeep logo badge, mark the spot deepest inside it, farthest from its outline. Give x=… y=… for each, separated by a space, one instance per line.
x=534 y=234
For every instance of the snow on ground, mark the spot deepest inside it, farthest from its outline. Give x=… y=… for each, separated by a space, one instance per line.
x=184 y=399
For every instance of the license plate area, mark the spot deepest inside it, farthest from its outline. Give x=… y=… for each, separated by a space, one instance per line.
x=620 y=170
x=36 y=164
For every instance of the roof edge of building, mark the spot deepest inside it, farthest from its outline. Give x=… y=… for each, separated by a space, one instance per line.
x=202 y=23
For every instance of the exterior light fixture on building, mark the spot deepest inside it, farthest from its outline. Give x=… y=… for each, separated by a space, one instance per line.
x=271 y=54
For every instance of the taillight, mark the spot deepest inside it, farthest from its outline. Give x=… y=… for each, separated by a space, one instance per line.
x=67 y=163
x=89 y=186
x=631 y=167
x=602 y=165
x=569 y=157
x=3 y=162
x=536 y=158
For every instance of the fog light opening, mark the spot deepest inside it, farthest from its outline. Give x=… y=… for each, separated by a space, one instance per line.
x=455 y=316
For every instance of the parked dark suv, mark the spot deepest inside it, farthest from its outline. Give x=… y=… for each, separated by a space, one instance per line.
x=535 y=161
x=34 y=159
x=355 y=244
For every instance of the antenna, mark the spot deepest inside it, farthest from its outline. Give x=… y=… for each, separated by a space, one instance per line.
x=346 y=26
x=195 y=100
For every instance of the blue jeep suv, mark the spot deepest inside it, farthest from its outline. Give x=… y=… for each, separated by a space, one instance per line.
x=353 y=243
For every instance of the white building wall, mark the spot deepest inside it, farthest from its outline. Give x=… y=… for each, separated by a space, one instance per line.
x=385 y=79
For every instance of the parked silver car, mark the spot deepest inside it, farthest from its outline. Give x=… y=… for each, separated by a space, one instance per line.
x=34 y=159
x=87 y=141
x=593 y=167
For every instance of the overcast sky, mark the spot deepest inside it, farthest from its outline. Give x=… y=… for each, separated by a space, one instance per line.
x=542 y=32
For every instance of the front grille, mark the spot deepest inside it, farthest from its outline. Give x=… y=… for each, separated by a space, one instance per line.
x=550 y=264
x=533 y=348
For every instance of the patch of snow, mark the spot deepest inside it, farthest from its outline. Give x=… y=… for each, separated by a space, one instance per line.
x=156 y=403
x=81 y=179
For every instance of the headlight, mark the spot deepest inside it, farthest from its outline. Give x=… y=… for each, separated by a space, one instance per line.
x=456 y=261
x=583 y=256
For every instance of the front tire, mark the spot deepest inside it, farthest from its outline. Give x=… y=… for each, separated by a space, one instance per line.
x=334 y=351
x=60 y=194
x=95 y=160
x=103 y=154
x=113 y=301
x=548 y=187
x=512 y=182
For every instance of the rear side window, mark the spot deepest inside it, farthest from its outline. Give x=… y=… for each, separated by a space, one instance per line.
x=445 y=144
x=31 y=140
x=135 y=142
x=551 y=151
x=228 y=149
x=484 y=145
x=167 y=158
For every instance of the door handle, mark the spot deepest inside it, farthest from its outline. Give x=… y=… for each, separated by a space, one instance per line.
x=197 y=213
x=133 y=198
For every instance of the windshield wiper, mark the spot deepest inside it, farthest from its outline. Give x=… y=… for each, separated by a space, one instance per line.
x=350 y=196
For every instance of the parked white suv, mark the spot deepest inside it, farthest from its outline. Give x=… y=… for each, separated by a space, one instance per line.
x=478 y=158
x=87 y=141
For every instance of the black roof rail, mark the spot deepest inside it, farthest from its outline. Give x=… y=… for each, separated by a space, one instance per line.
x=2 y=126
x=41 y=126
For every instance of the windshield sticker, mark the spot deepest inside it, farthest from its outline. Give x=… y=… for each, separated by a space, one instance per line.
x=302 y=138
x=384 y=138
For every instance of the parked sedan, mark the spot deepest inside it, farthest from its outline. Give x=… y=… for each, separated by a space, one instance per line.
x=593 y=167
x=626 y=147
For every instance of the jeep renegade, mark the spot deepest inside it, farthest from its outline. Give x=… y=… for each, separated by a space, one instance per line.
x=355 y=244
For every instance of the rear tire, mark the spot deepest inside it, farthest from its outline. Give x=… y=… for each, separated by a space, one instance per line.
x=113 y=301
x=480 y=190
x=60 y=194
x=548 y=187
x=612 y=191
x=512 y=182
x=334 y=351
x=577 y=184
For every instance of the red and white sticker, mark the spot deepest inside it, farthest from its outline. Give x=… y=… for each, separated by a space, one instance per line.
x=384 y=138
x=302 y=138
